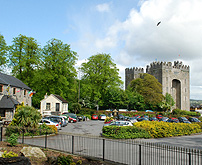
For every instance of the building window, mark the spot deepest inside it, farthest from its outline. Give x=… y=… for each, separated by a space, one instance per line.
x=1 y=88
x=2 y=113
x=47 y=106
x=25 y=92
x=14 y=91
x=57 y=107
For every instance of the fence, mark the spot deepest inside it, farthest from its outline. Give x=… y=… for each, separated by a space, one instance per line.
x=121 y=151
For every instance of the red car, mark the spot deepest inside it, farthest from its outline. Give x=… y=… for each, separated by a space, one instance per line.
x=159 y=117
x=94 y=117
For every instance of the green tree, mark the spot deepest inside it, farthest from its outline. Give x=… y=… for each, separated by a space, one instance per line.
x=3 y=50
x=57 y=75
x=167 y=103
x=26 y=116
x=115 y=98
x=149 y=87
x=99 y=73
x=76 y=107
x=24 y=56
x=135 y=100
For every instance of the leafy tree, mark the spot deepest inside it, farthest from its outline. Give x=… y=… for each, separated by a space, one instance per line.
x=26 y=116
x=24 y=55
x=57 y=75
x=3 y=50
x=99 y=74
x=135 y=100
x=149 y=87
x=167 y=103
x=76 y=107
x=115 y=98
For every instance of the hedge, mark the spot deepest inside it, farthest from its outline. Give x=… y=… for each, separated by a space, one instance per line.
x=164 y=129
x=124 y=132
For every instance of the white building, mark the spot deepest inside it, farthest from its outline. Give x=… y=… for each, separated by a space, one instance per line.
x=53 y=105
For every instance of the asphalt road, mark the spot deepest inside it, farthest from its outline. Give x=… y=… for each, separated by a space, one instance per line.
x=90 y=127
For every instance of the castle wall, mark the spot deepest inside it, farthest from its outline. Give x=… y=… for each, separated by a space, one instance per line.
x=174 y=80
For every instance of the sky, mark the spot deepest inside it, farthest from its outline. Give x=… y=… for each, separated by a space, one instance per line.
x=125 y=29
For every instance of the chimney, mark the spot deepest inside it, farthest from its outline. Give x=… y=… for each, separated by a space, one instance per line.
x=45 y=96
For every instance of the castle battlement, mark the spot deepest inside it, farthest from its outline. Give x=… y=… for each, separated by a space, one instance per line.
x=134 y=69
x=157 y=65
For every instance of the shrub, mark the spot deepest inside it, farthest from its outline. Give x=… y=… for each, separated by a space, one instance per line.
x=163 y=129
x=128 y=132
x=9 y=154
x=108 y=119
x=179 y=112
x=13 y=139
x=64 y=160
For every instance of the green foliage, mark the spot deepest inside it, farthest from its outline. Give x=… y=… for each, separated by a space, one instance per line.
x=64 y=160
x=179 y=112
x=3 y=50
x=99 y=73
x=76 y=107
x=24 y=55
x=26 y=116
x=9 y=154
x=41 y=130
x=135 y=100
x=149 y=87
x=115 y=97
x=167 y=103
x=13 y=139
x=127 y=132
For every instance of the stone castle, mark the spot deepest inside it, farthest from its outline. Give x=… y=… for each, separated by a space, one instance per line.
x=174 y=80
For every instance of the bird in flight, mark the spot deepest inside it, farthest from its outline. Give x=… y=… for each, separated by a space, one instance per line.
x=158 y=23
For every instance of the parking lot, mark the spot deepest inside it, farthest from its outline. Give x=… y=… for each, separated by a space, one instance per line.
x=90 y=127
x=94 y=128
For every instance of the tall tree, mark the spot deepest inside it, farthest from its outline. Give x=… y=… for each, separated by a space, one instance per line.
x=99 y=73
x=149 y=87
x=3 y=50
x=57 y=74
x=24 y=55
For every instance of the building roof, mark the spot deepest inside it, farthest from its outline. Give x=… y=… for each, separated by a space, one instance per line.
x=8 y=102
x=60 y=98
x=12 y=81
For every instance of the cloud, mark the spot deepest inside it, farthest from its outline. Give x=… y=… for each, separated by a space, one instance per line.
x=105 y=7
x=179 y=33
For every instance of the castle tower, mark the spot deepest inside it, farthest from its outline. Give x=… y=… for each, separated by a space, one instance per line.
x=131 y=74
x=174 y=80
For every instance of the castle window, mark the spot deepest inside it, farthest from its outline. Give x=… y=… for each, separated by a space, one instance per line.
x=1 y=88
x=14 y=91
x=185 y=81
x=166 y=89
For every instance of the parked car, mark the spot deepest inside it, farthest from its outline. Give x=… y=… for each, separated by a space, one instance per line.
x=194 y=119
x=153 y=119
x=159 y=117
x=142 y=119
x=108 y=123
x=49 y=122
x=102 y=117
x=72 y=117
x=81 y=118
x=133 y=119
x=58 y=119
x=94 y=117
x=164 y=119
x=148 y=110
x=173 y=120
x=183 y=120
x=121 y=123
